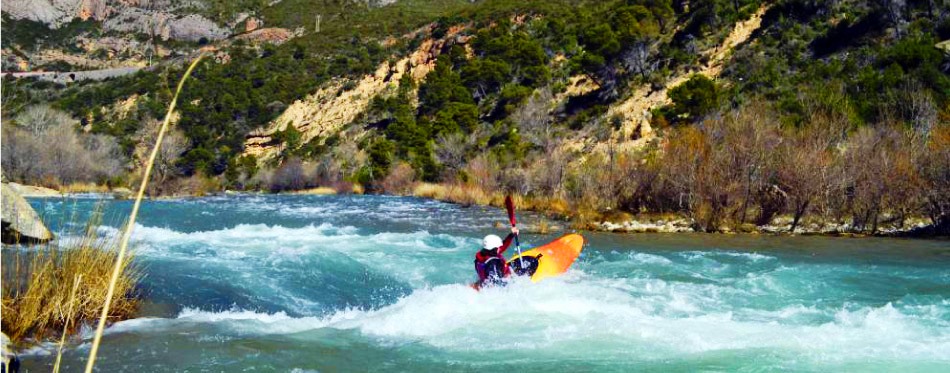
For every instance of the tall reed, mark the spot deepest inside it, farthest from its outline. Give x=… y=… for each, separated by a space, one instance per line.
x=37 y=299
x=127 y=232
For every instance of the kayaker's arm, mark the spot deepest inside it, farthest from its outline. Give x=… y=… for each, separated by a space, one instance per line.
x=507 y=242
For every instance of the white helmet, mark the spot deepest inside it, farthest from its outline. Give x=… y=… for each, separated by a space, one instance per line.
x=491 y=241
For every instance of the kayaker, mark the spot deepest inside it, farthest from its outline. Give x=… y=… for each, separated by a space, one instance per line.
x=490 y=264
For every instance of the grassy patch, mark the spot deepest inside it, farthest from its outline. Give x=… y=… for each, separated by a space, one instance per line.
x=37 y=284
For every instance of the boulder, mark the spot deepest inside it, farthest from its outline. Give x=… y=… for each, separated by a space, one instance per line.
x=121 y=193
x=21 y=224
x=10 y=362
x=34 y=191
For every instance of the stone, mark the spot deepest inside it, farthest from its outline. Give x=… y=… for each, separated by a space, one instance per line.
x=121 y=193
x=21 y=224
x=34 y=191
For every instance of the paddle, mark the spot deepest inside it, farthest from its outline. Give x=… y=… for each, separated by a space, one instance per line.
x=510 y=206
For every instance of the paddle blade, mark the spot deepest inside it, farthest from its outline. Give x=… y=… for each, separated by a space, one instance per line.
x=510 y=206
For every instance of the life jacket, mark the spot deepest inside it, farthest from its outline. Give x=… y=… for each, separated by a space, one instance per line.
x=491 y=266
x=494 y=269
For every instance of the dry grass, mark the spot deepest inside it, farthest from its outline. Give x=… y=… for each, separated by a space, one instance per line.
x=466 y=195
x=38 y=285
x=317 y=191
x=80 y=187
x=470 y=195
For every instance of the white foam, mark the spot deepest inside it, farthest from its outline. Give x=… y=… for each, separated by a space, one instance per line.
x=454 y=317
x=650 y=259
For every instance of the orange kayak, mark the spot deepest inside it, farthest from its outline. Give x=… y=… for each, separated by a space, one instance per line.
x=553 y=258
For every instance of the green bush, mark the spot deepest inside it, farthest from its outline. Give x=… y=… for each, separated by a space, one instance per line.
x=695 y=98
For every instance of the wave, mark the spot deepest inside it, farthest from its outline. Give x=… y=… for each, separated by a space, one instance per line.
x=559 y=313
x=299 y=254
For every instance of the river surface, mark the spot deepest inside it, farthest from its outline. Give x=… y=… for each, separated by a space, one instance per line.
x=376 y=283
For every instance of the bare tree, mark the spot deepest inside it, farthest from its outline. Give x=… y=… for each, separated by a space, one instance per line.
x=19 y=153
x=38 y=118
x=803 y=172
x=399 y=180
x=920 y=109
x=749 y=140
x=173 y=146
x=58 y=155
x=289 y=176
x=534 y=120
x=934 y=166
x=350 y=157
x=450 y=150
x=636 y=59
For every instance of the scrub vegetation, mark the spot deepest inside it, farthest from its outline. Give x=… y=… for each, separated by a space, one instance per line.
x=38 y=299
x=830 y=111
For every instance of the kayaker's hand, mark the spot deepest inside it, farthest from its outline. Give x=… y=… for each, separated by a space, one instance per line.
x=514 y=230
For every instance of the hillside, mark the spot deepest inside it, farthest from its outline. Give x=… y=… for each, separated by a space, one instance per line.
x=734 y=115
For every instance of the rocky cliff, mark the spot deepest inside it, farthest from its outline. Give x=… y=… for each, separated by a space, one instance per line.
x=156 y=17
x=326 y=111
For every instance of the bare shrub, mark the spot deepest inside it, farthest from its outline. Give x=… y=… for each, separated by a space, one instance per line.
x=595 y=182
x=400 y=179
x=749 y=140
x=638 y=173
x=327 y=171
x=548 y=173
x=636 y=59
x=516 y=180
x=451 y=149
x=934 y=166
x=533 y=119
x=350 y=157
x=18 y=155
x=482 y=171
x=803 y=175
x=289 y=176
x=173 y=146
x=59 y=156
x=38 y=118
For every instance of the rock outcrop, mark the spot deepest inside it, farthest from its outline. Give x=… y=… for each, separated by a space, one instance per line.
x=154 y=17
x=21 y=224
x=272 y=35
x=634 y=113
x=165 y=25
x=54 y=13
x=33 y=191
x=326 y=111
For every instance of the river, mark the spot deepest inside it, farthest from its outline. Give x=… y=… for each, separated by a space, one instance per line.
x=378 y=283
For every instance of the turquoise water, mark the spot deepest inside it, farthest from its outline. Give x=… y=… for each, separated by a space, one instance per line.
x=374 y=283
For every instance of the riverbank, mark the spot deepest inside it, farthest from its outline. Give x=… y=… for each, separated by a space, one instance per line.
x=625 y=222
x=559 y=210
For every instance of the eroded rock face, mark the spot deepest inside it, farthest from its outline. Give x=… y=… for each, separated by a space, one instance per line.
x=330 y=108
x=21 y=224
x=50 y=12
x=165 y=25
x=145 y=16
x=272 y=35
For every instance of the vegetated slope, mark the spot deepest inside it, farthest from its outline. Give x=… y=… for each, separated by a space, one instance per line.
x=546 y=99
x=636 y=110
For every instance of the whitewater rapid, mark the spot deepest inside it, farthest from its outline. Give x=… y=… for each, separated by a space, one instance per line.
x=383 y=281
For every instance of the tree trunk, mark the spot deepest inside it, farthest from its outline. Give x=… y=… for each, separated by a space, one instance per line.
x=799 y=212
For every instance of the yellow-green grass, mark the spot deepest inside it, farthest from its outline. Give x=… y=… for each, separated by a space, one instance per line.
x=38 y=283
